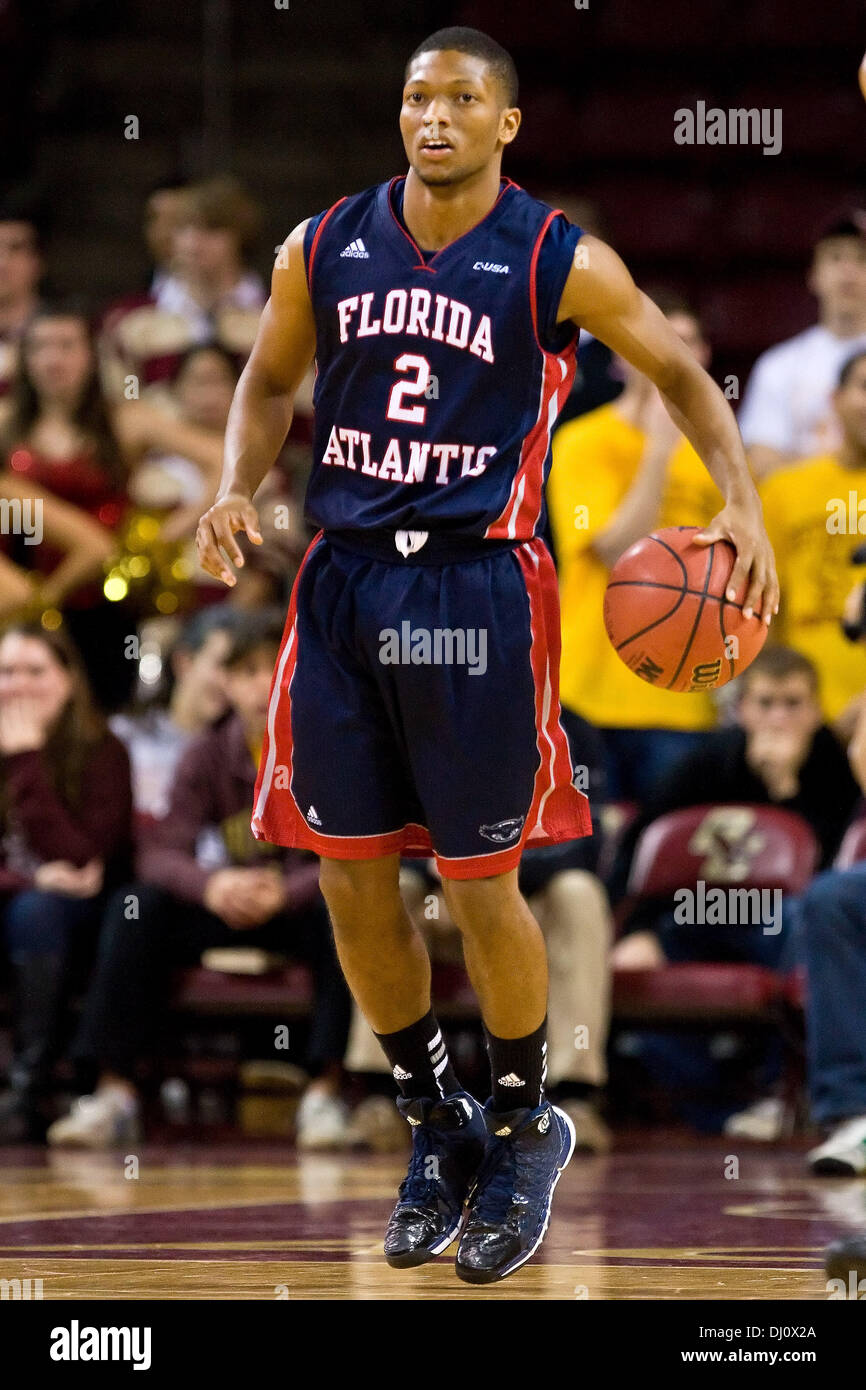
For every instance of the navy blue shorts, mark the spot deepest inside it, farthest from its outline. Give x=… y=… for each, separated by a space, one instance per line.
x=414 y=710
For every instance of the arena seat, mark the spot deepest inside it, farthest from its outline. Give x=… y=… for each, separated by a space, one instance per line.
x=853 y=847
x=737 y=315
x=782 y=218
x=287 y=993
x=724 y=846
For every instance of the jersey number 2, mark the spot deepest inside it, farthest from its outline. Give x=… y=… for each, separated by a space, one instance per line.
x=411 y=414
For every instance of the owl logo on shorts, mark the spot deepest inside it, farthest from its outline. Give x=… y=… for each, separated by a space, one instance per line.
x=503 y=831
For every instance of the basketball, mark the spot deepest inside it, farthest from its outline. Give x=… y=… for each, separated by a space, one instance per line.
x=667 y=617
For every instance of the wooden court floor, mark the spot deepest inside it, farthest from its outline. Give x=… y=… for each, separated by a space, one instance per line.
x=658 y=1219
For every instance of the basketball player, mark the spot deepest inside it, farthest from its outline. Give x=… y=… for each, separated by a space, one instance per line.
x=415 y=703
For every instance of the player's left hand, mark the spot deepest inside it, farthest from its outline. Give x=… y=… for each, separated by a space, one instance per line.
x=742 y=524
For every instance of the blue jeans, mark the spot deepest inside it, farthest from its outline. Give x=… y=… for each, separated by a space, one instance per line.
x=41 y=923
x=834 y=933
x=638 y=760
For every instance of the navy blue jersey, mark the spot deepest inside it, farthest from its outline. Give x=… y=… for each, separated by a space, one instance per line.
x=439 y=377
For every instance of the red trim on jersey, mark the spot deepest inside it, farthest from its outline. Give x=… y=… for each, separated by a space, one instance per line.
x=558 y=811
x=316 y=235
x=519 y=517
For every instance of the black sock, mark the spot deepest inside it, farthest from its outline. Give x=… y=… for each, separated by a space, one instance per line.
x=518 y=1067
x=419 y=1060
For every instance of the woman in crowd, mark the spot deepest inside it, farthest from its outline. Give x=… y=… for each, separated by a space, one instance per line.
x=65 y=835
x=59 y=433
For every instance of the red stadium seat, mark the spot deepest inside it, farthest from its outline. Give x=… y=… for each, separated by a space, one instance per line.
x=742 y=846
x=736 y=846
x=853 y=847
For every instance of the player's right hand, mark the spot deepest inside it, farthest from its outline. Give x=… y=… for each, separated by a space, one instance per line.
x=217 y=528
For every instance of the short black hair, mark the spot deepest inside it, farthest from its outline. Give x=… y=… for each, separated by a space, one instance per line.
x=197 y=628
x=477 y=45
x=20 y=205
x=850 y=225
x=848 y=366
x=777 y=663
x=262 y=628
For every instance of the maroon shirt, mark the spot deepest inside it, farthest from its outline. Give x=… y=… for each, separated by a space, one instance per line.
x=39 y=827
x=213 y=790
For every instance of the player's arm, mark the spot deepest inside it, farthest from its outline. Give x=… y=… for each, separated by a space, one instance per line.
x=601 y=297
x=261 y=411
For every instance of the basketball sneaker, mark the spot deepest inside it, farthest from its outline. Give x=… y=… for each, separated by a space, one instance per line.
x=843 y=1154
x=102 y=1121
x=448 y=1143
x=509 y=1210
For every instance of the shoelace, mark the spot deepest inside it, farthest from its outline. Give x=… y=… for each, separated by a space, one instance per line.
x=496 y=1184
x=417 y=1187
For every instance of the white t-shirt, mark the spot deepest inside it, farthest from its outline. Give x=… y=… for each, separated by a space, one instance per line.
x=787 y=403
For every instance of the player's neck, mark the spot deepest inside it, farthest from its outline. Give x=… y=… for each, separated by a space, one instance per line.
x=844 y=323
x=439 y=215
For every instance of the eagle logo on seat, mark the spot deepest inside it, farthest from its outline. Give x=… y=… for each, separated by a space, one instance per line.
x=727 y=839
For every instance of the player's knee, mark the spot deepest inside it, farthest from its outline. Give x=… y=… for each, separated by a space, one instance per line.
x=355 y=888
x=476 y=903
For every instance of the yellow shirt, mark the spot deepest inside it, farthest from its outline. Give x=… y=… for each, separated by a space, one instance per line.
x=812 y=511
x=595 y=461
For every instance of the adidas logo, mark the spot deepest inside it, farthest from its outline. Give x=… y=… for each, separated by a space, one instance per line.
x=400 y=1075
x=313 y=816
x=356 y=249
x=512 y=1079
x=501 y=1133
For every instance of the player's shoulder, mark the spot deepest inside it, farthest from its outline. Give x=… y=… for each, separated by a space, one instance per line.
x=350 y=203
x=559 y=230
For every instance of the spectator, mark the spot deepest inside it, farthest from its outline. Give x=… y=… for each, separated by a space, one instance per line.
x=786 y=412
x=778 y=754
x=163 y=210
x=813 y=512
x=201 y=396
x=66 y=813
x=209 y=295
x=156 y=737
x=81 y=543
x=20 y=274
x=833 y=916
x=619 y=472
x=205 y=880
x=59 y=432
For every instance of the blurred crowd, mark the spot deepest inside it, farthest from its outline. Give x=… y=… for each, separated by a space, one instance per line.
x=134 y=696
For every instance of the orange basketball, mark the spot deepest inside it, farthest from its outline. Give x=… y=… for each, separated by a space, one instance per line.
x=666 y=613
